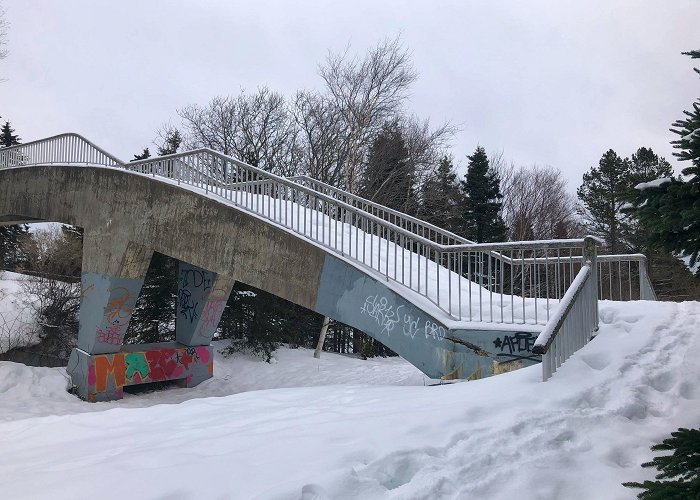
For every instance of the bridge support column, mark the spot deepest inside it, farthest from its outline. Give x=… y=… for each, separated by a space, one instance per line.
x=201 y=298
x=111 y=281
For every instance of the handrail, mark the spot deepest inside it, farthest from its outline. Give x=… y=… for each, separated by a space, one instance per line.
x=572 y=325
x=383 y=208
x=5 y=153
x=468 y=245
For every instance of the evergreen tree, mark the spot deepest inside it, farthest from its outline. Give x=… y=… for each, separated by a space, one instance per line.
x=145 y=154
x=388 y=177
x=670 y=211
x=11 y=254
x=8 y=137
x=646 y=165
x=678 y=477
x=171 y=143
x=441 y=198
x=603 y=193
x=154 y=313
x=481 y=215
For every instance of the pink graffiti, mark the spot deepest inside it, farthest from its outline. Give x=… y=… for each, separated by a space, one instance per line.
x=203 y=354
x=210 y=318
x=112 y=336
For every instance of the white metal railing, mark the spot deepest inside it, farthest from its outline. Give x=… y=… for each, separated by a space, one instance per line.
x=553 y=283
x=513 y=282
x=64 y=149
x=573 y=324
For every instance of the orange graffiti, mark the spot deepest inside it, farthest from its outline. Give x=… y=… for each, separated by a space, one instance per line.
x=119 y=306
x=104 y=367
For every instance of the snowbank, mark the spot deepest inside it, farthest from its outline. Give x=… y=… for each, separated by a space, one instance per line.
x=579 y=435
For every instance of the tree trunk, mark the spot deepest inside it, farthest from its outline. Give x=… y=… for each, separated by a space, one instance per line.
x=322 y=337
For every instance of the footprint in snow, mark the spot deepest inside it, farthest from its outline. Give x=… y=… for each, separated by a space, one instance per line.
x=313 y=492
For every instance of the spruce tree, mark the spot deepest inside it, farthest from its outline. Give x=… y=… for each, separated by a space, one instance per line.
x=171 y=143
x=441 y=198
x=679 y=472
x=11 y=254
x=145 y=154
x=481 y=215
x=670 y=211
x=604 y=192
x=388 y=177
x=8 y=137
x=154 y=312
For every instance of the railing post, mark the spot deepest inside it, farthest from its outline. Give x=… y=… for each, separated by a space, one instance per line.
x=590 y=252
x=646 y=292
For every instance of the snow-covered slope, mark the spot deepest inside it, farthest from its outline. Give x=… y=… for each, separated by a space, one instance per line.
x=577 y=436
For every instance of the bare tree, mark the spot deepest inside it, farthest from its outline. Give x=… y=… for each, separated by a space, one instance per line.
x=426 y=146
x=4 y=27
x=323 y=136
x=536 y=203
x=258 y=129
x=367 y=92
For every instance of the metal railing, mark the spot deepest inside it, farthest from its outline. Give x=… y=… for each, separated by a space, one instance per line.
x=514 y=282
x=70 y=149
x=572 y=325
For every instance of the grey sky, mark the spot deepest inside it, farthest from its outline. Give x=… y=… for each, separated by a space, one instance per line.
x=554 y=83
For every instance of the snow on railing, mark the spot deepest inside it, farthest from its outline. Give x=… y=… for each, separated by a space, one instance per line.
x=513 y=282
x=574 y=322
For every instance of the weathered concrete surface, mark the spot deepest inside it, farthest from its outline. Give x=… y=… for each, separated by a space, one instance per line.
x=201 y=298
x=126 y=216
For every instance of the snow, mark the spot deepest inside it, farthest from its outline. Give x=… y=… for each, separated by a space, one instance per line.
x=686 y=260
x=653 y=184
x=384 y=435
x=384 y=259
x=17 y=323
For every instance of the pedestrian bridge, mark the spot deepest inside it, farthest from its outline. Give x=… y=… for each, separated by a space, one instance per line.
x=452 y=307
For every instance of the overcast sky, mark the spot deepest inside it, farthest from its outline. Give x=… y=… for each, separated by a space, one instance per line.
x=553 y=83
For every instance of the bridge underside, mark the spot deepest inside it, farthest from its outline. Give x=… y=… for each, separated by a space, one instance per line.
x=127 y=216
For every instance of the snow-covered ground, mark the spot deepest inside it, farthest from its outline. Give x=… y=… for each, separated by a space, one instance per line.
x=577 y=436
x=17 y=319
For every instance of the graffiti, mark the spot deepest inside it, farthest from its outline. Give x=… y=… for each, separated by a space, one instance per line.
x=513 y=346
x=187 y=306
x=111 y=372
x=113 y=335
x=434 y=330
x=195 y=278
x=120 y=305
x=210 y=318
x=387 y=317
x=380 y=310
x=106 y=365
x=136 y=367
x=162 y=366
x=410 y=326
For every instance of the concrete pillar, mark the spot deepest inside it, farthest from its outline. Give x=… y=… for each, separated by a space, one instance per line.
x=110 y=287
x=201 y=298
